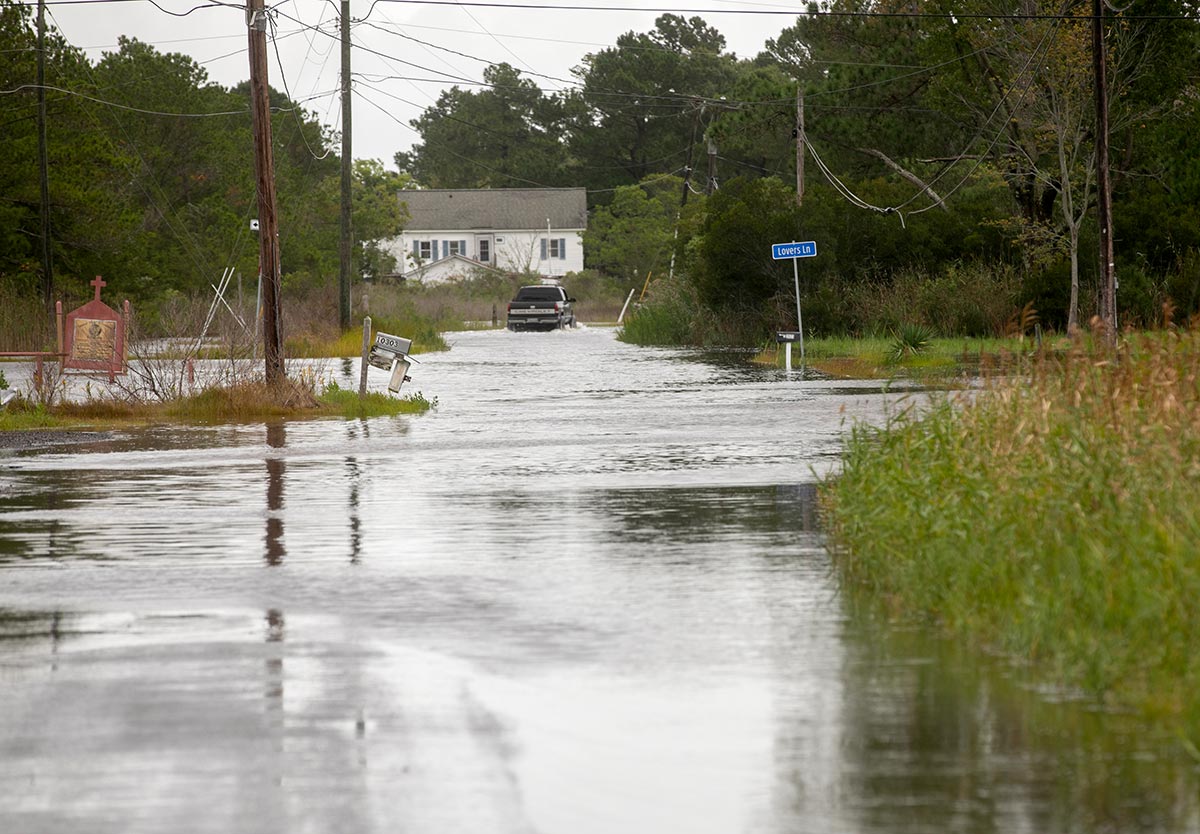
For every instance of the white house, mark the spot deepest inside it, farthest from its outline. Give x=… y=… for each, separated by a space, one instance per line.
x=537 y=230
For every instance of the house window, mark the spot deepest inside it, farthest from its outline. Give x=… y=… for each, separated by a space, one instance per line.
x=425 y=250
x=485 y=251
x=557 y=248
x=454 y=247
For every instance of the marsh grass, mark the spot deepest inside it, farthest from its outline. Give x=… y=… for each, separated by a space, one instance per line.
x=249 y=401
x=876 y=357
x=1051 y=517
x=426 y=336
x=673 y=315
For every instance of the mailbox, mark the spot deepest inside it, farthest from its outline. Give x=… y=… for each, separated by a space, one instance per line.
x=387 y=349
x=399 y=375
x=390 y=353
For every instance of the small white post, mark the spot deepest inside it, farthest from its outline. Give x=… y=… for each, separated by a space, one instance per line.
x=626 y=307
x=788 y=357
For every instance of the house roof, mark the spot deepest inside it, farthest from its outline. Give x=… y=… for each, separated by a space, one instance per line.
x=509 y=209
x=456 y=260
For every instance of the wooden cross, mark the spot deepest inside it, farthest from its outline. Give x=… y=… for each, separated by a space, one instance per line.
x=98 y=283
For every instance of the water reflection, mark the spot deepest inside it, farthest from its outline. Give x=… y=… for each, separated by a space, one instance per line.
x=274 y=667
x=276 y=467
x=632 y=625
x=979 y=751
x=30 y=520
x=355 y=477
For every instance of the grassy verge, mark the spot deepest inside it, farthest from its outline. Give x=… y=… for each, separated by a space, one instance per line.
x=884 y=358
x=425 y=334
x=244 y=402
x=1051 y=518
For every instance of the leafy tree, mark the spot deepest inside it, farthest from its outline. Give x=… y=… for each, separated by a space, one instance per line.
x=643 y=100
x=634 y=235
x=84 y=217
x=866 y=71
x=505 y=136
x=377 y=214
x=734 y=270
x=757 y=130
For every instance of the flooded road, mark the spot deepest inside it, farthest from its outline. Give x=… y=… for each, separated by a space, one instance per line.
x=586 y=594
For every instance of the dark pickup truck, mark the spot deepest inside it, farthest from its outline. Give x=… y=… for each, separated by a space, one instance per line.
x=541 y=307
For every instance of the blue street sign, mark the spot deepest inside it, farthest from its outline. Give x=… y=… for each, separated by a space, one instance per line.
x=782 y=251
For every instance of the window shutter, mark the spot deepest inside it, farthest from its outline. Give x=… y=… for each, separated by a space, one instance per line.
x=545 y=247
x=562 y=248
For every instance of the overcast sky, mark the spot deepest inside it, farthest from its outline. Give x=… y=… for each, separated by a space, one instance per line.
x=545 y=41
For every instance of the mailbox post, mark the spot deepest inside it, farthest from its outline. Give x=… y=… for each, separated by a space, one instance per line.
x=787 y=338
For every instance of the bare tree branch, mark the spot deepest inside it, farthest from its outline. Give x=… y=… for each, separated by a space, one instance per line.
x=908 y=175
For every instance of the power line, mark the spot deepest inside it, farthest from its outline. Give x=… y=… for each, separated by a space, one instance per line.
x=211 y=5
x=188 y=243
x=455 y=153
x=805 y=12
x=679 y=101
x=78 y=94
x=133 y=109
x=514 y=138
x=500 y=43
x=288 y=93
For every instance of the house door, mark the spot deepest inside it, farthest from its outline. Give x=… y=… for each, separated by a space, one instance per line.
x=484 y=249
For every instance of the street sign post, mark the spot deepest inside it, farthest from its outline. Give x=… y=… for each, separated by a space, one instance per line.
x=795 y=250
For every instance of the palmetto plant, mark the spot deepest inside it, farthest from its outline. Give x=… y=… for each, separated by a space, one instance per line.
x=911 y=340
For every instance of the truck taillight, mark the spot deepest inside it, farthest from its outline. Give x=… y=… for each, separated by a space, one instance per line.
x=558 y=306
x=510 y=306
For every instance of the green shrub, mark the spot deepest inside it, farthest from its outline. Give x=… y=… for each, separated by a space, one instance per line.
x=911 y=340
x=1051 y=517
x=669 y=317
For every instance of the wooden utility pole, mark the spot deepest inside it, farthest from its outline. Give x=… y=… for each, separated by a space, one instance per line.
x=264 y=171
x=346 y=248
x=43 y=158
x=799 y=146
x=1108 y=284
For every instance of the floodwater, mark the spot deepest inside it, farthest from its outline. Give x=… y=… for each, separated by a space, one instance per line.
x=587 y=594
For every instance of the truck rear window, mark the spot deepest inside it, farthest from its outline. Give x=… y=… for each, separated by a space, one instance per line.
x=540 y=294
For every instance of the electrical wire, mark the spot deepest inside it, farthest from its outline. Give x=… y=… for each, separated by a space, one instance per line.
x=1025 y=70
x=474 y=162
x=856 y=201
x=211 y=5
x=182 y=233
x=288 y=93
x=78 y=94
x=681 y=101
x=807 y=12
x=503 y=46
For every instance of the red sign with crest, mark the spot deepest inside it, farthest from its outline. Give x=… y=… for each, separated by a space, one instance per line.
x=95 y=337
